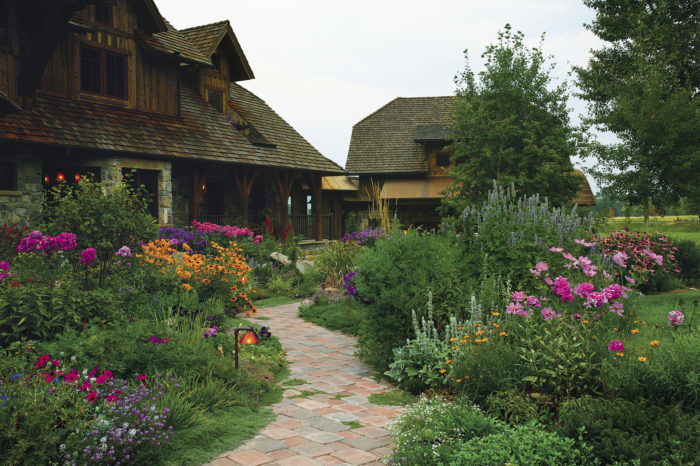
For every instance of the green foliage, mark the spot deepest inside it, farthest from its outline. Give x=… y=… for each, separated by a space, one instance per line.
x=515 y=231
x=688 y=257
x=670 y=375
x=515 y=407
x=511 y=126
x=35 y=311
x=343 y=315
x=642 y=87
x=432 y=429
x=335 y=261
x=103 y=215
x=633 y=431
x=280 y=284
x=526 y=444
x=396 y=276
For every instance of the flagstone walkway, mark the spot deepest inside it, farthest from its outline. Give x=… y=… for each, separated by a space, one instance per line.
x=310 y=430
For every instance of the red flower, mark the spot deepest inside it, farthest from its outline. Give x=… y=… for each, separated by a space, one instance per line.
x=85 y=386
x=108 y=374
x=112 y=399
x=72 y=377
x=92 y=397
x=142 y=379
x=43 y=359
x=100 y=380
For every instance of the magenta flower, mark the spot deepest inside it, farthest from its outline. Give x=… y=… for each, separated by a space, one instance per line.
x=616 y=345
x=614 y=291
x=112 y=399
x=4 y=265
x=532 y=301
x=92 y=397
x=541 y=267
x=584 y=289
x=620 y=258
x=617 y=307
x=553 y=249
x=549 y=313
x=577 y=315
x=88 y=256
x=518 y=296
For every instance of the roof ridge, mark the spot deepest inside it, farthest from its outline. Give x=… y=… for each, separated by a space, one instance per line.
x=216 y=23
x=401 y=98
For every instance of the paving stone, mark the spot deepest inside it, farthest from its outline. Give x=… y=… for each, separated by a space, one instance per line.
x=250 y=457
x=226 y=462
x=327 y=425
x=312 y=449
x=298 y=460
x=365 y=443
x=340 y=417
x=322 y=437
x=355 y=456
x=265 y=444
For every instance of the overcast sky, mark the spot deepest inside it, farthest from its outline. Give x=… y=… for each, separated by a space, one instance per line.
x=323 y=65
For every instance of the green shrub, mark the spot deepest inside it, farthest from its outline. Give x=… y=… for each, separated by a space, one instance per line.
x=688 y=257
x=641 y=431
x=396 y=276
x=280 y=284
x=430 y=430
x=526 y=444
x=36 y=312
x=103 y=215
x=513 y=230
x=343 y=315
x=671 y=373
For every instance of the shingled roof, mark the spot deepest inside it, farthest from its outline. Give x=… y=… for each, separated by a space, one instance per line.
x=173 y=41
x=201 y=134
x=385 y=141
x=208 y=37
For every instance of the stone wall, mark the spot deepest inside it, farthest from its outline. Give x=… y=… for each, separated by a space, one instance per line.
x=17 y=205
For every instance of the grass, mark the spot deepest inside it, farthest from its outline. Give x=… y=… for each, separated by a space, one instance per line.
x=352 y=424
x=294 y=382
x=274 y=301
x=393 y=398
x=344 y=315
x=653 y=309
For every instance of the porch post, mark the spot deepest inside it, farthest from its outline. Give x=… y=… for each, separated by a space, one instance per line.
x=284 y=182
x=244 y=179
x=199 y=178
x=315 y=185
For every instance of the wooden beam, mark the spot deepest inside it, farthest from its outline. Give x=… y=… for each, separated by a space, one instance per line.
x=244 y=178
x=284 y=182
x=199 y=178
x=315 y=185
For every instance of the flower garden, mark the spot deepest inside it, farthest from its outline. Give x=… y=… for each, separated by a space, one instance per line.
x=525 y=337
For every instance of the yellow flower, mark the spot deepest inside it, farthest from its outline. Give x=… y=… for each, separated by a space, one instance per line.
x=495 y=314
x=619 y=353
x=206 y=281
x=479 y=333
x=459 y=380
x=187 y=286
x=477 y=340
x=485 y=339
x=642 y=358
x=462 y=341
x=453 y=339
x=186 y=246
x=442 y=371
x=585 y=321
x=654 y=342
x=635 y=331
x=455 y=347
x=449 y=361
x=503 y=334
x=477 y=325
x=496 y=325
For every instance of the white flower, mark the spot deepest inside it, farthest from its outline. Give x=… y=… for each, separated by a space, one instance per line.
x=132 y=432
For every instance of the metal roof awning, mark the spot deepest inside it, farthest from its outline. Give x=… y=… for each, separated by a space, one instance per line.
x=338 y=183
x=427 y=188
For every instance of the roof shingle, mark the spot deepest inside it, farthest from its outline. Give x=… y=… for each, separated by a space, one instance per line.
x=384 y=142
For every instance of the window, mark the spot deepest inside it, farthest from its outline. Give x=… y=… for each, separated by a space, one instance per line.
x=443 y=159
x=216 y=99
x=102 y=72
x=8 y=176
x=103 y=13
x=4 y=22
x=216 y=61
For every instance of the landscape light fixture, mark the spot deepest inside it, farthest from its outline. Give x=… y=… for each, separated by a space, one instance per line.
x=248 y=338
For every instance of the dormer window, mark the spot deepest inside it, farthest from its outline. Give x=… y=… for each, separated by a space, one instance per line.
x=102 y=72
x=216 y=61
x=104 y=13
x=216 y=98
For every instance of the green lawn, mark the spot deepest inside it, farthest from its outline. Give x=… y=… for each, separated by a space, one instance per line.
x=345 y=315
x=653 y=309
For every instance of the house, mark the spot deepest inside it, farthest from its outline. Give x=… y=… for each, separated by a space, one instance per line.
x=401 y=151
x=105 y=87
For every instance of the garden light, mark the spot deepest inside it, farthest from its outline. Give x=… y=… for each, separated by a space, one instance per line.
x=60 y=177
x=249 y=338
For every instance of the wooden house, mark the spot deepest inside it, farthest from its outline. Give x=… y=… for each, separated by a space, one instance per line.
x=402 y=149
x=103 y=87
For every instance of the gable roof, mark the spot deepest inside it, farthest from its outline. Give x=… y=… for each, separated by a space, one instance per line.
x=385 y=141
x=209 y=36
x=202 y=133
x=173 y=42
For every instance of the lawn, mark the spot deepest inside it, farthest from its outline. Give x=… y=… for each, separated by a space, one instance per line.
x=344 y=315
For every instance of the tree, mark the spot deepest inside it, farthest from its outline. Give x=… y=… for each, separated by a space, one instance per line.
x=511 y=127
x=643 y=87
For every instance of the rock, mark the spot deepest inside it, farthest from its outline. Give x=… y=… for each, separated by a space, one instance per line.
x=304 y=266
x=281 y=258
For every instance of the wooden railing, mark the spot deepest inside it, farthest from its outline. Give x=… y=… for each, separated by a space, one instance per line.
x=305 y=225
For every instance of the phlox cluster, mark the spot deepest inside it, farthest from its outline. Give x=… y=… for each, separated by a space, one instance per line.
x=675 y=318
x=48 y=244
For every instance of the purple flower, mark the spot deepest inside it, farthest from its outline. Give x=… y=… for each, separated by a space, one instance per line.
x=616 y=345
x=88 y=256
x=549 y=313
x=675 y=318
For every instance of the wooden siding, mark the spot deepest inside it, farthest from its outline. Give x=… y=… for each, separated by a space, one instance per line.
x=215 y=79
x=152 y=82
x=9 y=60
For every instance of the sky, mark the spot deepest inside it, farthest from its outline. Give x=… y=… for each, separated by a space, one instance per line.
x=323 y=65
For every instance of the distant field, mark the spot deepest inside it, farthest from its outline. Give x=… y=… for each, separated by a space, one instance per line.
x=678 y=228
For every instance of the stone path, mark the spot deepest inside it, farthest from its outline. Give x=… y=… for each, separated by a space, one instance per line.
x=310 y=430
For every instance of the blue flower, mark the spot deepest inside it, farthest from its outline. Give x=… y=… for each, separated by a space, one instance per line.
x=16 y=376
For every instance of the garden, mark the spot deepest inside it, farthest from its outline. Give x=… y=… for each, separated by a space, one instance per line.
x=117 y=338
x=521 y=333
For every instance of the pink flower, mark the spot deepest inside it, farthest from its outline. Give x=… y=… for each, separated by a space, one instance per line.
x=532 y=301
x=577 y=316
x=583 y=243
x=613 y=291
x=596 y=298
x=620 y=258
x=541 y=266
x=112 y=399
x=630 y=280
x=108 y=374
x=100 y=380
x=553 y=249
x=548 y=281
x=675 y=318
x=549 y=313
x=92 y=397
x=568 y=256
x=87 y=256
x=518 y=296
x=85 y=386
x=616 y=345
x=584 y=289
x=617 y=308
